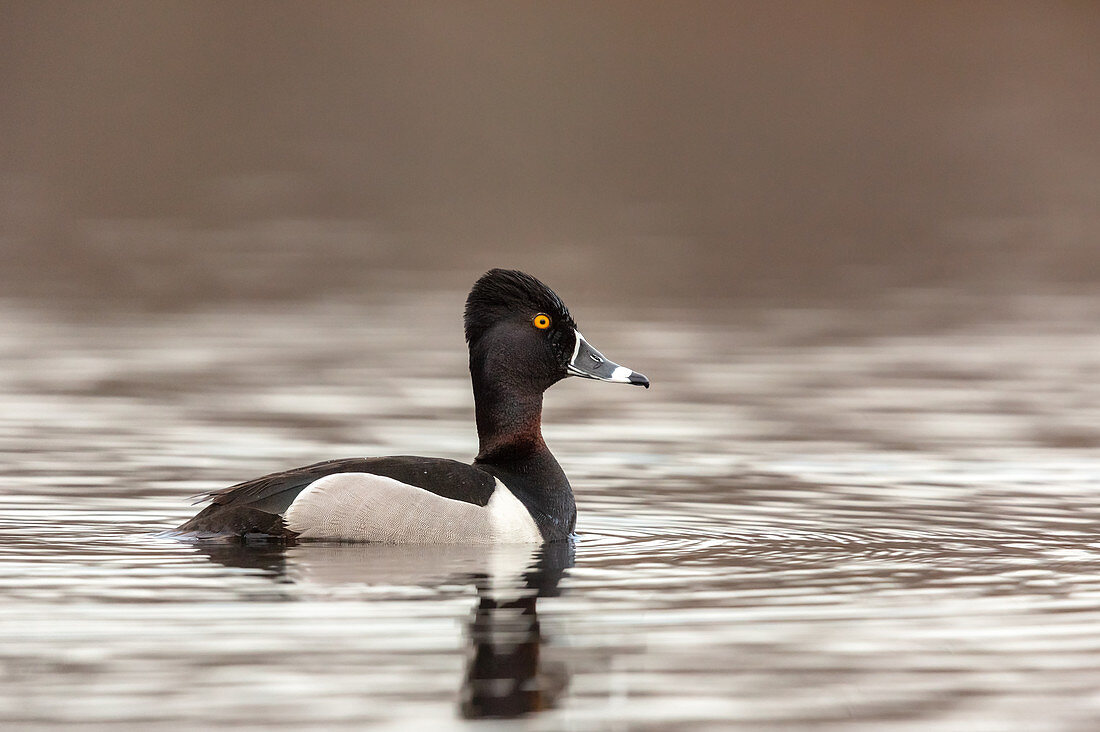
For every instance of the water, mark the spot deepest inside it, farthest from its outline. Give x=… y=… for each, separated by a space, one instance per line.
x=816 y=518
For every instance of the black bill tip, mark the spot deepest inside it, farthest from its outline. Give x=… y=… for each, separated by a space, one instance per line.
x=638 y=379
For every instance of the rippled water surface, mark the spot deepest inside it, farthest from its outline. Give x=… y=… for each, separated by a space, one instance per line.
x=805 y=523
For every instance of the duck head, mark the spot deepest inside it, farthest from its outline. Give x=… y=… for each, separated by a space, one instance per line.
x=519 y=330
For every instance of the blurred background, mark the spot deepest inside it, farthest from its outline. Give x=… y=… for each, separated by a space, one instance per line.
x=165 y=154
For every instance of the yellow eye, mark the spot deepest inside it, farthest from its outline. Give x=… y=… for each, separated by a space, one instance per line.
x=542 y=321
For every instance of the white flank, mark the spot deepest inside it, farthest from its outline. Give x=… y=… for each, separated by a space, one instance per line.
x=367 y=507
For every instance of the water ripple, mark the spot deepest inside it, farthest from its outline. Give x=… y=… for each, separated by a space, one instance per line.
x=897 y=531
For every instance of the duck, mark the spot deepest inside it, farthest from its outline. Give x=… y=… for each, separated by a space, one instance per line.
x=522 y=340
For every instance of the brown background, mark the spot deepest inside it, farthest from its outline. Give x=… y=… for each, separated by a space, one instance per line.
x=157 y=153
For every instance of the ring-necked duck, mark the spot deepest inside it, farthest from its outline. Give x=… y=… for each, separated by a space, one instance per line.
x=522 y=340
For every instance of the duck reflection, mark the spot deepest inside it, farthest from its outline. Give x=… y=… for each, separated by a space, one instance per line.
x=506 y=675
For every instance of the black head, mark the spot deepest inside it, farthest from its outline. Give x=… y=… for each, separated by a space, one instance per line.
x=519 y=331
x=520 y=327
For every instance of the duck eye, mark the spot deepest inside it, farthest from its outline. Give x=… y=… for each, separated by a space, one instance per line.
x=541 y=321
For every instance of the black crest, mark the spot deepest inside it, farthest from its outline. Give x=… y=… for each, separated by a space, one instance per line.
x=502 y=293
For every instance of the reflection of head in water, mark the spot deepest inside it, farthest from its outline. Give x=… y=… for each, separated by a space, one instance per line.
x=504 y=677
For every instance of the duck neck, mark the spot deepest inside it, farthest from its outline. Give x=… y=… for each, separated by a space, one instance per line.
x=509 y=422
x=509 y=431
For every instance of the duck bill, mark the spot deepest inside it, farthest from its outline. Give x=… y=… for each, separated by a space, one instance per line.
x=588 y=363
